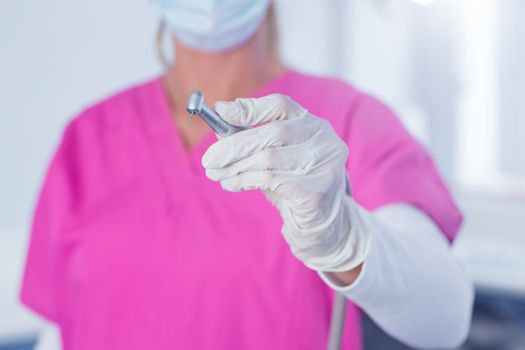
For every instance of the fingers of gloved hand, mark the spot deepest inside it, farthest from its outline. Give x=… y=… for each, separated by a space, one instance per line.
x=245 y=143
x=256 y=111
x=263 y=180
x=293 y=159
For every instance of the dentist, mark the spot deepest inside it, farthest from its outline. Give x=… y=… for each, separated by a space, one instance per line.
x=150 y=233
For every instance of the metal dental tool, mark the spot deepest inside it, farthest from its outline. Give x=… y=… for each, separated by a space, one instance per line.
x=197 y=106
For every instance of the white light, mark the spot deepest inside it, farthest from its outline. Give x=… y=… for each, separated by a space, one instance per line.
x=478 y=127
x=424 y=2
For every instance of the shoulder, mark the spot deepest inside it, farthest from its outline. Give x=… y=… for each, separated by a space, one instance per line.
x=344 y=105
x=330 y=91
x=121 y=110
x=112 y=126
x=103 y=145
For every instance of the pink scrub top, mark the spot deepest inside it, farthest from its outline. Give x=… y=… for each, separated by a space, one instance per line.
x=133 y=247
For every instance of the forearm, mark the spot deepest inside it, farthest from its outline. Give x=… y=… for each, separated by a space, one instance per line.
x=410 y=283
x=346 y=278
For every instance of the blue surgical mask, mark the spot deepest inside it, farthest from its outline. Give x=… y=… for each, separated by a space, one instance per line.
x=213 y=25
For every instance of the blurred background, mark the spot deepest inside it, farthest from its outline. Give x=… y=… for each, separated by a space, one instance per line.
x=452 y=70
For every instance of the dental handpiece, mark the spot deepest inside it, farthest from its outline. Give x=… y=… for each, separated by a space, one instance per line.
x=197 y=106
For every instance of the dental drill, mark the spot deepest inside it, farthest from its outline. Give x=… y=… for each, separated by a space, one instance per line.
x=197 y=106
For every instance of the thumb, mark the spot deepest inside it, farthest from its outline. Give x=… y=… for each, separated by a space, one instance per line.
x=256 y=111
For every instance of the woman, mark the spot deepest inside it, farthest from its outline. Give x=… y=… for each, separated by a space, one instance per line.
x=136 y=244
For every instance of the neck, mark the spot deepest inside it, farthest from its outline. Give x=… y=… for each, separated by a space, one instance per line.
x=223 y=76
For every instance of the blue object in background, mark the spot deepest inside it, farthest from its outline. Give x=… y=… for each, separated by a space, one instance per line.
x=28 y=344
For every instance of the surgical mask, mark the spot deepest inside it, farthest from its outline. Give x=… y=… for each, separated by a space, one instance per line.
x=213 y=25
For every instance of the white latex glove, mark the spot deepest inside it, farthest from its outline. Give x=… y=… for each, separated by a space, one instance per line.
x=299 y=162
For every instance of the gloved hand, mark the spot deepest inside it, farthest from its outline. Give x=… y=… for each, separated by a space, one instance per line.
x=299 y=163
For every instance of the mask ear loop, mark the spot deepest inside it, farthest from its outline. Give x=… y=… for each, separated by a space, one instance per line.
x=161 y=54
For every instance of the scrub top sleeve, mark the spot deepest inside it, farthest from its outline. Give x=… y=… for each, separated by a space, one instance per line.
x=40 y=281
x=387 y=165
